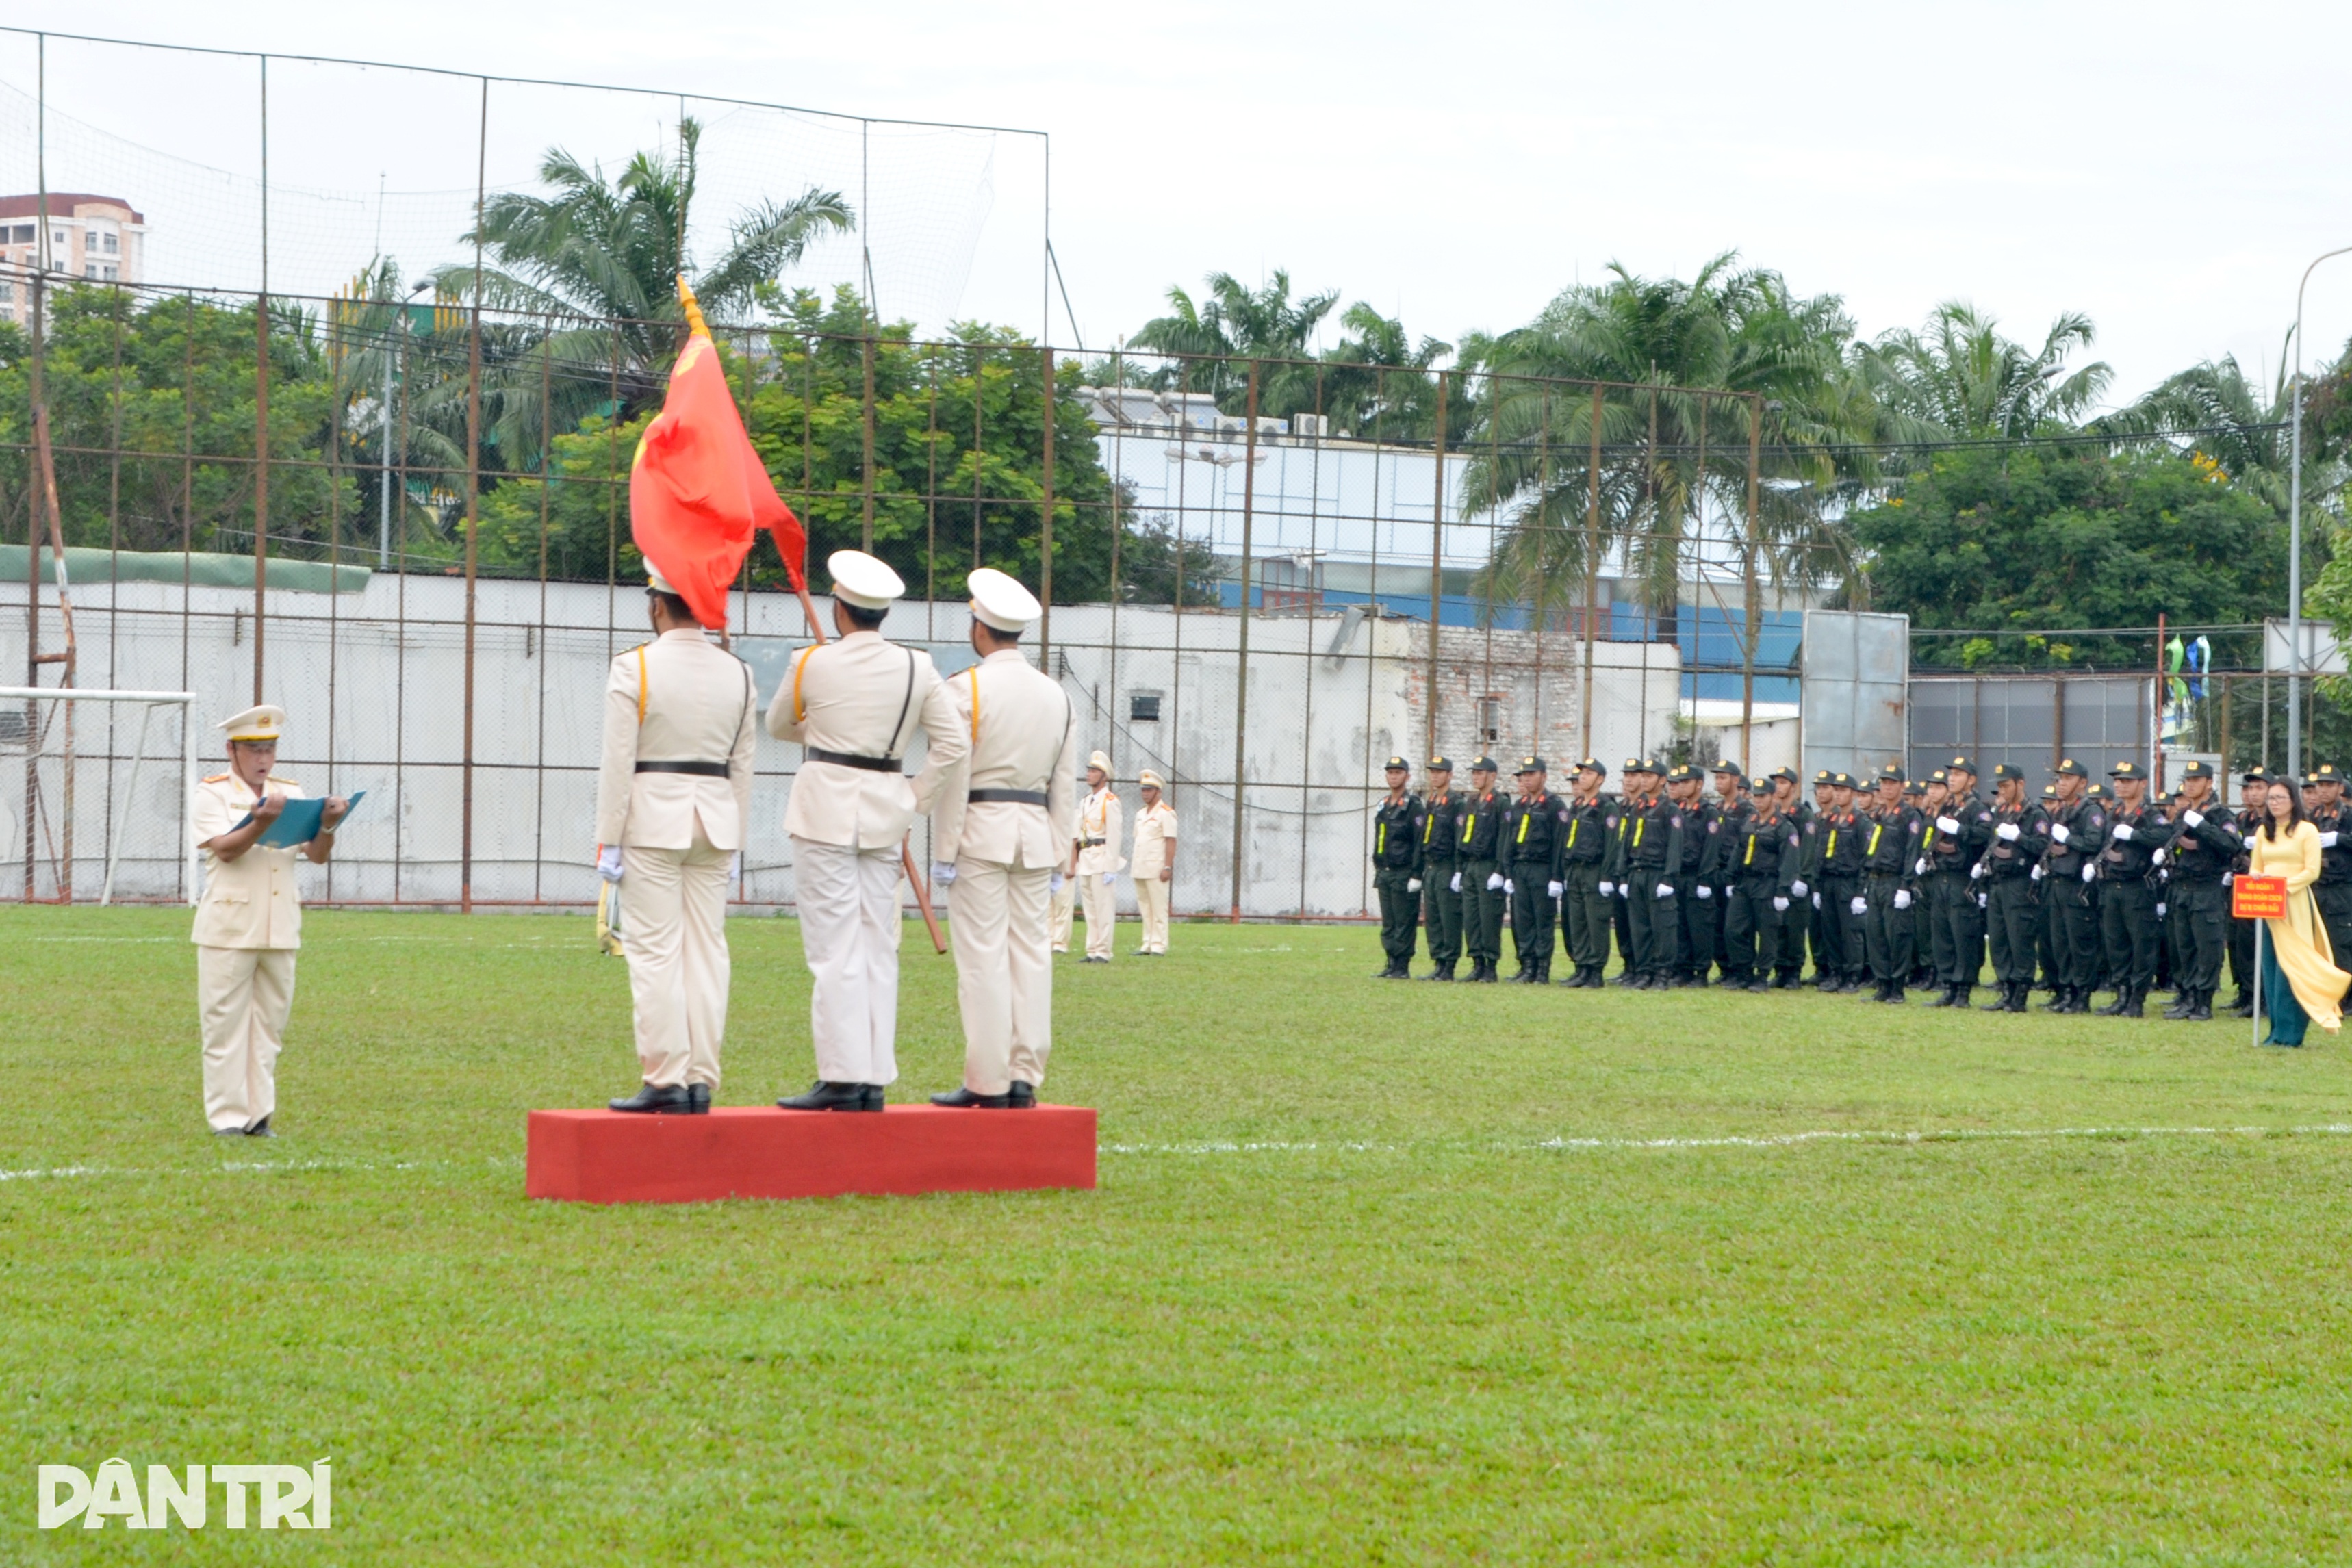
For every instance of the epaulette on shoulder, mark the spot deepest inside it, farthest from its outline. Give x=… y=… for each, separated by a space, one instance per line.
x=219 y=778
x=296 y=783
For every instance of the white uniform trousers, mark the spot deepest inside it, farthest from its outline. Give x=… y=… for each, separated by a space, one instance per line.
x=1004 y=973
x=243 y=995
x=1064 y=909
x=674 y=930
x=1102 y=912
x=849 y=932
x=1151 y=903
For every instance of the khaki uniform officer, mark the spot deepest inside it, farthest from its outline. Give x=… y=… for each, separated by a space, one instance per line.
x=248 y=922
x=855 y=707
x=999 y=823
x=1097 y=862
x=672 y=798
x=1155 y=865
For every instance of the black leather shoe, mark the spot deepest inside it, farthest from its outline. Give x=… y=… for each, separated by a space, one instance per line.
x=2203 y=1011
x=670 y=1102
x=260 y=1130
x=965 y=1100
x=1023 y=1096
x=698 y=1099
x=826 y=1097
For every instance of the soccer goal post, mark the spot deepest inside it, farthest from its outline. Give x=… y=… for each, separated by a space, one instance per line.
x=43 y=729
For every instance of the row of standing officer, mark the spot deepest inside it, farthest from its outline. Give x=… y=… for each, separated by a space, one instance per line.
x=1891 y=883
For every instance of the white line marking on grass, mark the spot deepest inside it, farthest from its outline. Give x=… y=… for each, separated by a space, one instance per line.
x=54 y=1171
x=105 y=938
x=1943 y=1135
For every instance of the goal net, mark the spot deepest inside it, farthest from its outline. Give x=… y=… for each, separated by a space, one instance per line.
x=94 y=796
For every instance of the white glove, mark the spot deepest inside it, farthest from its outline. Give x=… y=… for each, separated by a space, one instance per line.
x=608 y=863
x=1666 y=890
x=2194 y=819
x=1625 y=890
x=2090 y=873
x=1983 y=901
x=1902 y=898
x=1780 y=905
x=1947 y=824
x=1919 y=867
x=1860 y=905
x=1494 y=879
x=2121 y=834
x=2160 y=912
x=735 y=867
x=1799 y=887
x=1509 y=885
x=2228 y=877
x=1976 y=872
x=1704 y=891
x=1553 y=888
x=2037 y=875
x=1817 y=901
x=1455 y=886
x=2058 y=833
x=2158 y=858
x=1608 y=890
x=1411 y=883
x=942 y=873
x=1053 y=884
x=2006 y=832
x=1110 y=877
x=2327 y=840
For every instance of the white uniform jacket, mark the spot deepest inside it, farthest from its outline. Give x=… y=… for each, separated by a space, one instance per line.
x=864 y=698
x=251 y=901
x=1155 y=830
x=1023 y=736
x=1098 y=834
x=678 y=698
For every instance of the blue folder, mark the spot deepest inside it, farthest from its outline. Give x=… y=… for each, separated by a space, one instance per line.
x=298 y=822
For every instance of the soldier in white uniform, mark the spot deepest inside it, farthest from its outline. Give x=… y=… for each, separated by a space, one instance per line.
x=1097 y=862
x=248 y=922
x=999 y=824
x=855 y=705
x=672 y=798
x=1154 y=864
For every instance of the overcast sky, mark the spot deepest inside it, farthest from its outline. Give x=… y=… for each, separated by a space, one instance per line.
x=2168 y=168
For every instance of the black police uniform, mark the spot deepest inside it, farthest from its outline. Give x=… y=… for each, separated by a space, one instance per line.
x=2200 y=853
x=1890 y=889
x=2334 y=890
x=1649 y=845
x=1586 y=910
x=1955 y=840
x=1535 y=834
x=2128 y=880
x=1441 y=900
x=1479 y=857
x=1796 y=922
x=2075 y=829
x=1716 y=872
x=1767 y=851
x=2013 y=897
x=1396 y=866
x=2249 y=820
x=1843 y=835
x=1696 y=944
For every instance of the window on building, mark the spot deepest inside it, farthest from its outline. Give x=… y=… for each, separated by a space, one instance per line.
x=1490 y=719
x=23 y=234
x=89 y=269
x=57 y=238
x=113 y=275
x=7 y=294
x=1143 y=707
x=112 y=246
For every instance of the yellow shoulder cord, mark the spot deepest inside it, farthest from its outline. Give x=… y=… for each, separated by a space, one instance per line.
x=1380 y=844
x=800 y=709
x=1525 y=817
x=641 y=682
x=1749 y=858
x=1469 y=823
x=974 y=673
x=1875 y=828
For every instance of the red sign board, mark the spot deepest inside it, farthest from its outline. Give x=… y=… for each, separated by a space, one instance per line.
x=2258 y=897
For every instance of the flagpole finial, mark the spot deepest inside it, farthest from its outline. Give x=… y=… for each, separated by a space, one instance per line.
x=694 y=321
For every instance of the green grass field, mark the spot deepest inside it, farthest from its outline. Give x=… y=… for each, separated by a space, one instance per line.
x=1376 y=1274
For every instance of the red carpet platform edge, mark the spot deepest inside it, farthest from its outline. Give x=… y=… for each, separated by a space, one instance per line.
x=605 y=1156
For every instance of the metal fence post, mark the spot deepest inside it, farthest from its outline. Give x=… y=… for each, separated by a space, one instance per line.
x=1436 y=562
x=1240 y=662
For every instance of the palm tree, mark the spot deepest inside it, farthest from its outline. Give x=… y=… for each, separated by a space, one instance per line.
x=1232 y=325
x=1962 y=378
x=597 y=262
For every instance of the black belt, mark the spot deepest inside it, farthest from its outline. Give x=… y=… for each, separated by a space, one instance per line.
x=1093 y=843
x=1010 y=797
x=700 y=769
x=851 y=760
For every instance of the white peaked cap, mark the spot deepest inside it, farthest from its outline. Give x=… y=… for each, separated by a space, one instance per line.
x=1098 y=760
x=858 y=578
x=1151 y=781
x=262 y=723
x=658 y=583
x=999 y=600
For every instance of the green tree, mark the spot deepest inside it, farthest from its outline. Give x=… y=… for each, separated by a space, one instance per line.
x=2020 y=543
x=1232 y=325
x=1960 y=377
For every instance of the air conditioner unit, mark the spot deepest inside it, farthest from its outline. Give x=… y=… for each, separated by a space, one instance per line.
x=1313 y=426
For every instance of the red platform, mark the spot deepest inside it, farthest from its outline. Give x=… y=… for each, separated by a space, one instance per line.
x=607 y=1156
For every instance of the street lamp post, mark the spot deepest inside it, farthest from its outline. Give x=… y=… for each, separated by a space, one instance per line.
x=2294 y=535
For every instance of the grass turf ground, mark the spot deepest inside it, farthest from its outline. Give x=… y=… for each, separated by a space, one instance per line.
x=1376 y=1274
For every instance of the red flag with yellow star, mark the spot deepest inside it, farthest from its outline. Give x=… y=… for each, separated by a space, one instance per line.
x=698 y=491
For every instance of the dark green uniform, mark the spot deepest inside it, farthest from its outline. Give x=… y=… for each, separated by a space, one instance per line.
x=2202 y=852
x=1954 y=842
x=2334 y=890
x=1715 y=871
x=2013 y=897
x=1694 y=900
x=1441 y=898
x=1649 y=844
x=1588 y=912
x=1890 y=890
x=1844 y=953
x=1396 y=867
x=2128 y=900
x=1767 y=851
x=1534 y=835
x=1797 y=921
x=1480 y=862
x=2075 y=830
x=2241 y=932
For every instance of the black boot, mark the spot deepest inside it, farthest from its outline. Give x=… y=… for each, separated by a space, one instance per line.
x=2182 y=1000
x=1943 y=997
x=1442 y=973
x=2131 y=1000
x=1961 y=994
x=2202 y=1012
x=1895 y=994
x=1999 y=1003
